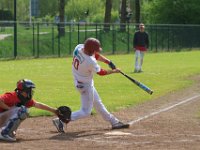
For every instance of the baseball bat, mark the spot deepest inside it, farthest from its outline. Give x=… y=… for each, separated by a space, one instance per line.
x=142 y=86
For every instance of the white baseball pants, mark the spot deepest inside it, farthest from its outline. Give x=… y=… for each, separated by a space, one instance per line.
x=90 y=98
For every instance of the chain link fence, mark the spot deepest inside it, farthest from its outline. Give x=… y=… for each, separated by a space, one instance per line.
x=43 y=39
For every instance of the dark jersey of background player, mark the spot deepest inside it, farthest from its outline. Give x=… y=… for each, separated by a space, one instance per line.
x=141 y=41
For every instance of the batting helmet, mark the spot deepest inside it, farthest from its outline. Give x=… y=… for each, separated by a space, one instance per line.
x=92 y=45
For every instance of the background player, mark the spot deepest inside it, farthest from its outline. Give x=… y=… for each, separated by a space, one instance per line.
x=140 y=44
x=84 y=66
x=13 y=108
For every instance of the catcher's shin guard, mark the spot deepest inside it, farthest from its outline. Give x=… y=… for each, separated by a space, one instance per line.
x=15 y=121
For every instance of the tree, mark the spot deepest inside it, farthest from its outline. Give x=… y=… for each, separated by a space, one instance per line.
x=180 y=12
x=107 y=18
x=6 y=5
x=137 y=11
x=48 y=8
x=6 y=10
x=123 y=14
x=61 y=24
x=75 y=9
x=23 y=10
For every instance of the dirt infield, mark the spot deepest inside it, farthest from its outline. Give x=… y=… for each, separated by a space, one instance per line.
x=169 y=122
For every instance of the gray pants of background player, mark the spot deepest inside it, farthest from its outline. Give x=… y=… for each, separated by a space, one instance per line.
x=90 y=98
x=139 y=56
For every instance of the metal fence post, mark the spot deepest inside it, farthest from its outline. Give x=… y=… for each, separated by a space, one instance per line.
x=85 y=30
x=113 y=37
x=96 y=30
x=100 y=34
x=78 y=33
x=38 y=40
x=70 y=38
x=168 y=39
x=33 y=39
x=58 y=44
x=156 y=39
x=151 y=44
x=52 y=39
x=128 y=38
x=15 y=28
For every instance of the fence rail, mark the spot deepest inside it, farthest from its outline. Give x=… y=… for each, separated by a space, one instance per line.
x=43 y=39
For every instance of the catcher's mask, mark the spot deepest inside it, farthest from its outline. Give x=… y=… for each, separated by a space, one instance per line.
x=92 y=45
x=26 y=86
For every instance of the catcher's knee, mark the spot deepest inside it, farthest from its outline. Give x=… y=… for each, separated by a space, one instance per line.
x=22 y=113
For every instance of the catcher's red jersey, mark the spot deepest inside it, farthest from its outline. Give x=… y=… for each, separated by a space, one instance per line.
x=11 y=99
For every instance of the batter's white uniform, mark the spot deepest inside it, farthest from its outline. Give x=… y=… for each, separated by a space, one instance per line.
x=83 y=68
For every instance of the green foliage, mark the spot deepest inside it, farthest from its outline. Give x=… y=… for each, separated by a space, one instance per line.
x=47 y=7
x=6 y=15
x=23 y=13
x=98 y=18
x=114 y=16
x=75 y=9
x=172 y=11
x=163 y=72
x=6 y=5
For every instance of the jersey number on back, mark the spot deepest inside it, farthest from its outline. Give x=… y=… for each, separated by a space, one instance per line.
x=76 y=63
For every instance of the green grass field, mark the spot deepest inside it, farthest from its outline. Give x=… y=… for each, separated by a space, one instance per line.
x=163 y=72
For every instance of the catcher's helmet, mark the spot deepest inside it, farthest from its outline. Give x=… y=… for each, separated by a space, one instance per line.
x=92 y=45
x=25 y=85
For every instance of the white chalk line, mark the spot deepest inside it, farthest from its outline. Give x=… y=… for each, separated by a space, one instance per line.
x=163 y=110
x=144 y=142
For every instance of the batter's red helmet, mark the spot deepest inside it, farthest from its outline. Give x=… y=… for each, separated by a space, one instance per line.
x=92 y=45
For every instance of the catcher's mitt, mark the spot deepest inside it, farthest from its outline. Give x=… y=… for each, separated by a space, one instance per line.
x=64 y=113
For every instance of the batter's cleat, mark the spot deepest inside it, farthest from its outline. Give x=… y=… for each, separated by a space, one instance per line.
x=59 y=125
x=120 y=125
x=6 y=137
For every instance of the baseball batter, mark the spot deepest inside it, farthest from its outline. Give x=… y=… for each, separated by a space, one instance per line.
x=14 y=108
x=84 y=66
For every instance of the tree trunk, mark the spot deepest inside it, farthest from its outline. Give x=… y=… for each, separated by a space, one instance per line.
x=107 y=18
x=137 y=11
x=123 y=16
x=61 y=24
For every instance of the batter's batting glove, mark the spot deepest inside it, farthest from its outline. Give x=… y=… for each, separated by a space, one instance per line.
x=112 y=65
x=64 y=113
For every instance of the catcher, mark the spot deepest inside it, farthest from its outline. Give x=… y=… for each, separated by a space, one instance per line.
x=14 y=108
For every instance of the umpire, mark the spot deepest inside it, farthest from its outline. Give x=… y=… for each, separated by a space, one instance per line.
x=140 y=45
